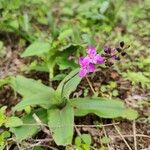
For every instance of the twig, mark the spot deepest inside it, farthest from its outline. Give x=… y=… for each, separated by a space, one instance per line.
x=39 y=122
x=130 y=135
x=106 y=137
x=13 y=140
x=90 y=85
x=134 y=134
x=38 y=144
x=50 y=147
x=77 y=130
x=43 y=140
x=100 y=126
x=122 y=137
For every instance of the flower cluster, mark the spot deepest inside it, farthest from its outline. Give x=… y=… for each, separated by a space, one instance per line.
x=88 y=63
x=113 y=54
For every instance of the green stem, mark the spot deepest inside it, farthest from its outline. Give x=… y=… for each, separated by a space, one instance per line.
x=92 y=89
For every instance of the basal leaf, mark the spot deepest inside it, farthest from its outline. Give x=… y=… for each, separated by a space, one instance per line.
x=39 y=99
x=33 y=93
x=101 y=107
x=27 y=87
x=130 y=114
x=61 y=123
x=69 y=84
x=29 y=127
x=36 y=49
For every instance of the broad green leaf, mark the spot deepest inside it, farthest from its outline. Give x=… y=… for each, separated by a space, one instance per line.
x=13 y=122
x=130 y=114
x=29 y=127
x=61 y=124
x=36 y=49
x=27 y=87
x=39 y=99
x=69 y=84
x=101 y=107
x=65 y=63
x=33 y=92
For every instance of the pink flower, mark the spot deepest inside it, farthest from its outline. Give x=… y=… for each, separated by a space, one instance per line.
x=86 y=66
x=94 y=57
x=88 y=63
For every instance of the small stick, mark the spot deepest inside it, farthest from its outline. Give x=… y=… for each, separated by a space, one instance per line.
x=39 y=122
x=43 y=140
x=134 y=134
x=96 y=126
x=130 y=135
x=122 y=137
x=106 y=136
x=90 y=85
x=77 y=130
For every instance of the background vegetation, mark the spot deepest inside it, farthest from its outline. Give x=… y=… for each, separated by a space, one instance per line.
x=40 y=45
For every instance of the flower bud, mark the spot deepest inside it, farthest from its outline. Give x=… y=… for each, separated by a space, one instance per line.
x=122 y=44
x=123 y=53
x=118 y=49
x=117 y=58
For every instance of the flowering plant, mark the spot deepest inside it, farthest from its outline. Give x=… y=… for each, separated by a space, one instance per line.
x=55 y=104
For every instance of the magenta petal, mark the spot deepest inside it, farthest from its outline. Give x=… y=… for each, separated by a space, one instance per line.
x=98 y=59
x=84 y=61
x=91 y=51
x=91 y=68
x=82 y=72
